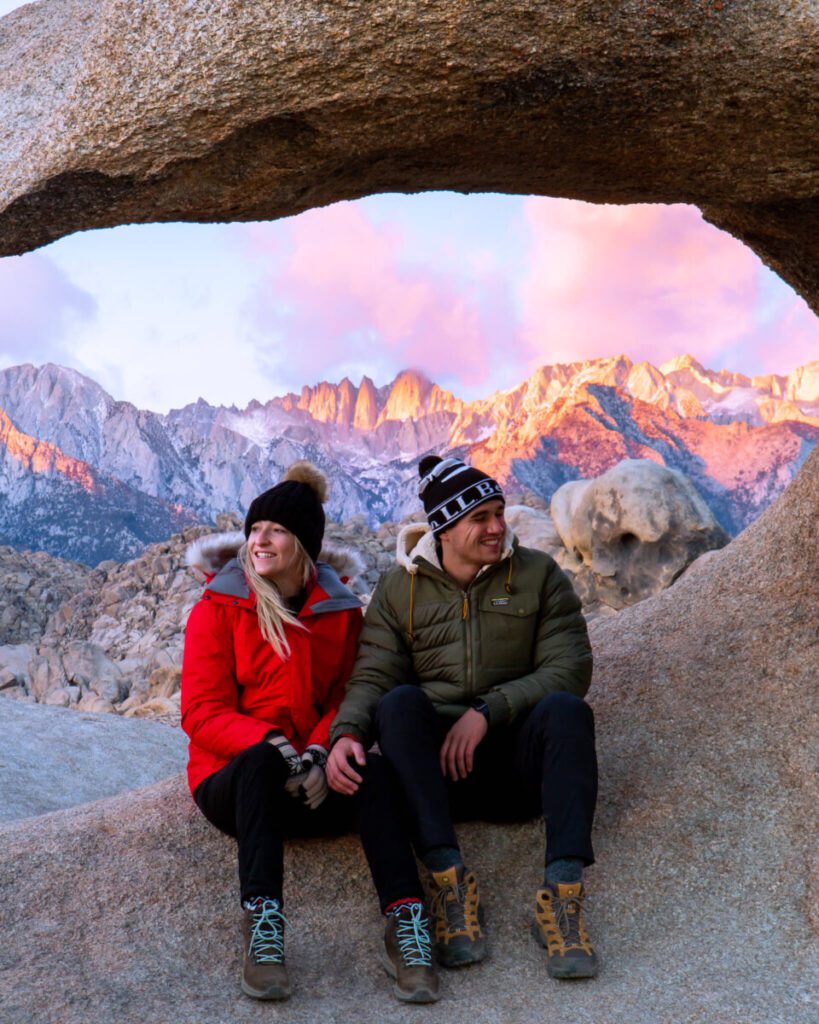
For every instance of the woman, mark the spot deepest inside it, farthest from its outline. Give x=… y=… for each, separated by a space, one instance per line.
x=268 y=649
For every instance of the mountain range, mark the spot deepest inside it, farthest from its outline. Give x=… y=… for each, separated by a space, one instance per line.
x=90 y=478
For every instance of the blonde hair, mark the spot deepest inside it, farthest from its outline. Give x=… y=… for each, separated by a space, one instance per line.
x=270 y=605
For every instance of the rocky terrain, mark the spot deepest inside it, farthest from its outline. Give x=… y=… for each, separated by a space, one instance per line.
x=35 y=585
x=703 y=898
x=70 y=454
x=110 y=639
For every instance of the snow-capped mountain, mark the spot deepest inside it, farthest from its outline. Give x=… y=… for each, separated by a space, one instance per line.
x=116 y=471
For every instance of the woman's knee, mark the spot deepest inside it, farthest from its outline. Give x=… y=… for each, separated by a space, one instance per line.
x=263 y=763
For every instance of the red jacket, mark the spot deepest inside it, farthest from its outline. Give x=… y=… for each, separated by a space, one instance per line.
x=235 y=688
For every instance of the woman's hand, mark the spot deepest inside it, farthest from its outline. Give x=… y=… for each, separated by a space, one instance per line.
x=313 y=790
x=341 y=775
x=296 y=769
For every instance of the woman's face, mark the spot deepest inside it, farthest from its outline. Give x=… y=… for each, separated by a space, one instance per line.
x=272 y=549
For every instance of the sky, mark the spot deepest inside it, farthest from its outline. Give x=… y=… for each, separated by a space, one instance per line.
x=475 y=291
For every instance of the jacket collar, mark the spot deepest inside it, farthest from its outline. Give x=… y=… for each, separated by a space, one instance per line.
x=213 y=552
x=327 y=593
x=416 y=545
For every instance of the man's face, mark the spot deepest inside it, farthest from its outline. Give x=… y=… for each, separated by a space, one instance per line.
x=475 y=540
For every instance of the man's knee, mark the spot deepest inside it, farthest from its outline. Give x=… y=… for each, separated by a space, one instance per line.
x=402 y=705
x=564 y=714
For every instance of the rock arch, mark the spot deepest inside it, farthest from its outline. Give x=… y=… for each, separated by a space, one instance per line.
x=115 y=112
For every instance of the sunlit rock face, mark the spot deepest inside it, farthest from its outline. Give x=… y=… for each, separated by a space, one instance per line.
x=68 y=449
x=115 y=112
x=633 y=530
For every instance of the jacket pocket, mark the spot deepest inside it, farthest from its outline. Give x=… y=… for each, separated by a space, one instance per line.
x=517 y=606
x=508 y=628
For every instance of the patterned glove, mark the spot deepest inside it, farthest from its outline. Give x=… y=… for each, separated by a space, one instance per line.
x=296 y=771
x=314 y=789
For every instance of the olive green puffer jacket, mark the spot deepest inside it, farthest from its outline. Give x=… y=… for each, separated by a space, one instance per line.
x=514 y=635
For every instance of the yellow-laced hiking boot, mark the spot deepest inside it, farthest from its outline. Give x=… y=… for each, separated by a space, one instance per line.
x=457 y=915
x=560 y=928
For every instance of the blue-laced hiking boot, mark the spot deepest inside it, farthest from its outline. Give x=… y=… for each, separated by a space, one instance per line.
x=456 y=909
x=560 y=928
x=264 y=975
x=407 y=954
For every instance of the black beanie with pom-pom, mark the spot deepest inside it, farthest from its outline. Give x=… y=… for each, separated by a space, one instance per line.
x=296 y=504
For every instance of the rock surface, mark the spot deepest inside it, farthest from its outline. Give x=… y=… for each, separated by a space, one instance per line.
x=119 y=113
x=52 y=758
x=636 y=529
x=704 y=897
x=35 y=585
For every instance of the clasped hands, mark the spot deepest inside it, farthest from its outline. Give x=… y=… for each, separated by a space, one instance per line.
x=306 y=778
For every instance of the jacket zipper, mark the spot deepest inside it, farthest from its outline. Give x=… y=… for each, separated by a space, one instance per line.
x=468 y=620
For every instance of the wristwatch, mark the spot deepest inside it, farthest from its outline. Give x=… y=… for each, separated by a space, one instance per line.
x=479 y=704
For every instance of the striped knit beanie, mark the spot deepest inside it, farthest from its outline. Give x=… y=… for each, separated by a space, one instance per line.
x=449 y=489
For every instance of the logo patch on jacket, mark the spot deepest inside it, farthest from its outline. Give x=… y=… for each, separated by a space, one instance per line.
x=500 y=602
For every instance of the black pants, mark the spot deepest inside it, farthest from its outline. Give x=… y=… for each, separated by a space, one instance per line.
x=543 y=762
x=247 y=800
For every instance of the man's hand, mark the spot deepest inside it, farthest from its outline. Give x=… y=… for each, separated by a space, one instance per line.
x=458 y=749
x=341 y=775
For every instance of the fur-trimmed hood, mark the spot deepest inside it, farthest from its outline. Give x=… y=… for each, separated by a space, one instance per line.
x=209 y=554
x=416 y=540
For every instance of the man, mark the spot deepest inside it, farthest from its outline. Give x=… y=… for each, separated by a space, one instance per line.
x=473 y=663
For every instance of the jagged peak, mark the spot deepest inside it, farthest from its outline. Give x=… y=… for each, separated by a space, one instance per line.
x=683 y=362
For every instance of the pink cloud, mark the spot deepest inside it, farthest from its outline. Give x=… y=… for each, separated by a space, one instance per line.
x=650 y=281
x=478 y=307
x=38 y=303
x=342 y=294
x=790 y=340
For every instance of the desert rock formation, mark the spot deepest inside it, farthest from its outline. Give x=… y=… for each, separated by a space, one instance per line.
x=701 y=898
x=118 y=113
x=634 y=530
x=35 y=585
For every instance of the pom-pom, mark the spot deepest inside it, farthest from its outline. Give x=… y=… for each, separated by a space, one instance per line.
x=427 y=464
x=305 y=472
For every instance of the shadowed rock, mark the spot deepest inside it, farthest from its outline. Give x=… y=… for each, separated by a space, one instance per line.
x=702 y=896
x=115 y=112
x=53 y=758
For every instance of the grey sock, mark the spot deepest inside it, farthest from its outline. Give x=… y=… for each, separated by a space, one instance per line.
x=441 y=858
x=564 y=869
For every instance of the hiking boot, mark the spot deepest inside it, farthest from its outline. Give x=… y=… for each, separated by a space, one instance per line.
x=264 y=975
x=456 y=910
x=559 y=927
x=407 y=954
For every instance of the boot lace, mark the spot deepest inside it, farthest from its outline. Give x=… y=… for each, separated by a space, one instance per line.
x=567 y=913
x=449 y=900
x=412 y=935
x=267 y=933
